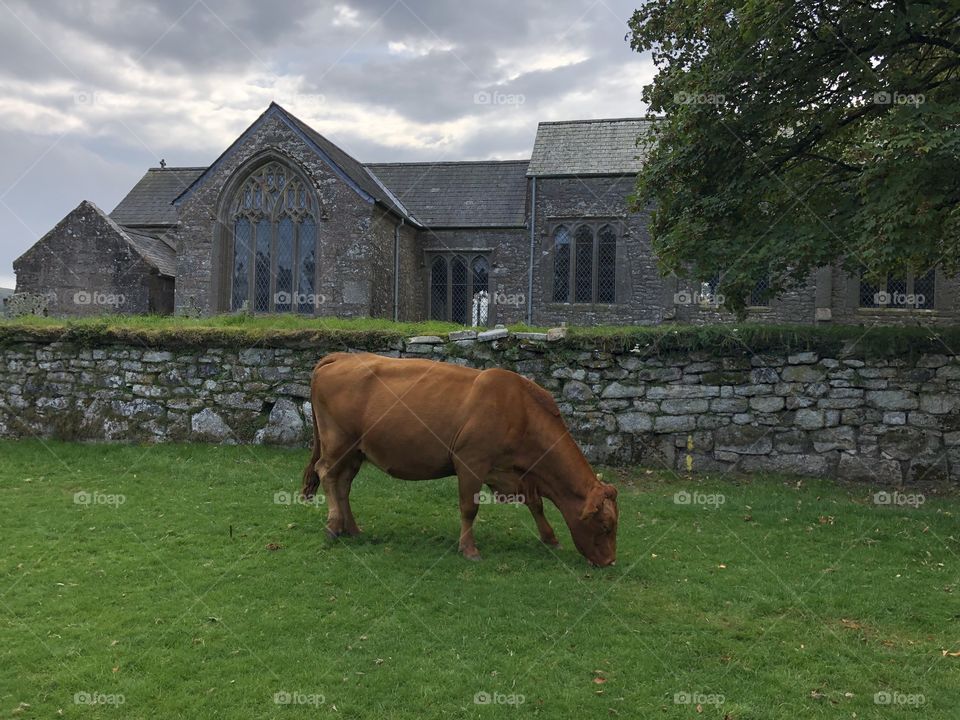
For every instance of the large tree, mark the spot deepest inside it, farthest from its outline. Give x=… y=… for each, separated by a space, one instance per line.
x=798 y=134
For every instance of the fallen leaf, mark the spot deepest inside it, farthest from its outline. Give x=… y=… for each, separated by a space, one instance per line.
x=947 y=653
x=599 y=680
x=274 y=546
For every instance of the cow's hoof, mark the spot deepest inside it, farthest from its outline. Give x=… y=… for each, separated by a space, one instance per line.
x=333 y=534
x=551 y=542
x=472 y=555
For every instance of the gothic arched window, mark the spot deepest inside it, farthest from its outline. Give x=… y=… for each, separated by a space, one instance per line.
x=273 y=218
x=585 y=264
x=460 y=289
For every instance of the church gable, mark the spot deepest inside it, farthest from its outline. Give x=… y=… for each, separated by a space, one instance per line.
x=221 y=271
x=278 y=126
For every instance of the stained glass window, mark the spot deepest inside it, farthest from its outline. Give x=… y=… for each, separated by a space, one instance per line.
x=273 y=217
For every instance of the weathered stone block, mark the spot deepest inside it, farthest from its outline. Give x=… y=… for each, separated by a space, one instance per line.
x=744 y=439
x=892 y=400
x=674 y=423
x=768 y=404
x=684 y=407
x=576 y=390
x=634 y=422
x=810 y=419
x=881 y=471
x=616 y=390
x=208 y=425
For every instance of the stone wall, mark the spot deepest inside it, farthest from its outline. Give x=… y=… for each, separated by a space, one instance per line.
x=840 y=412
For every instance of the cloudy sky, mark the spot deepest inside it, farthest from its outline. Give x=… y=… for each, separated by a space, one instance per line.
x=93 y=92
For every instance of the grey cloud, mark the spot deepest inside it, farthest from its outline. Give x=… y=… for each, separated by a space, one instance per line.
x=190 y=43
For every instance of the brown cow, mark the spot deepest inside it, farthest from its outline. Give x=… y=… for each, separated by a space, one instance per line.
x=419 y=419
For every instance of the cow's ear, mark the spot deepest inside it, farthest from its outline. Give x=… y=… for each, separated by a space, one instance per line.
x=610 y=492
x=591 y=506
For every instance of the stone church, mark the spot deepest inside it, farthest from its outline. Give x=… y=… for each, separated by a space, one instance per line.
x=284 y=221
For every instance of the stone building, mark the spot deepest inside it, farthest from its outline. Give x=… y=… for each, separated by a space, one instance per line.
x=284 y=221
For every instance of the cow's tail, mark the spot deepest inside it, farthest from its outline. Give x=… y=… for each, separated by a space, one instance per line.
x=311 y=479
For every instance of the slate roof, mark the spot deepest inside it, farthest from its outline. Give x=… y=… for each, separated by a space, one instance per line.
x=353 y=168
x=459 y=194
x=155 y=250
x=150 y=202
x=588 y=147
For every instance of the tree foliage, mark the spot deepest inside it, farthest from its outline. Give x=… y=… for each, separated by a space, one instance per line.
x=798 y=134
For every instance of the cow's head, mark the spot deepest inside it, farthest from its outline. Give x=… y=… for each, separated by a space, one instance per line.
x=595 y=532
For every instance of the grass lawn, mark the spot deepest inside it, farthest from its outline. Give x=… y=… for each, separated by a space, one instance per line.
x=200 y=596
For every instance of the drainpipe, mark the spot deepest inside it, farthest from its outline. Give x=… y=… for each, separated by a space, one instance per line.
x=533 y=231
x=396 y=271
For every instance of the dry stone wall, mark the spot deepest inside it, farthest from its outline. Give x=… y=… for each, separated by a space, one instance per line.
x=879 y=419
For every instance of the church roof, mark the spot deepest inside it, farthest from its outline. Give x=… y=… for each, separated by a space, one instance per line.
x=589 y=147
x=354 y=169
x=459 y=194
x=150 y=202
x=155 y=250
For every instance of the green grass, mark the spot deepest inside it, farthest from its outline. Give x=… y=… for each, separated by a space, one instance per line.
x=372 y=333
x=200 y=597
x=261 y=323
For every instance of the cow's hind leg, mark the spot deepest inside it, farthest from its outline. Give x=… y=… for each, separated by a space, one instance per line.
x=470 y=478
x=547 y=535
x=337 y=477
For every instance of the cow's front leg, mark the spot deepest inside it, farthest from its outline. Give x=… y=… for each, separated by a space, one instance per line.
x=547 y=535
x=470 y=484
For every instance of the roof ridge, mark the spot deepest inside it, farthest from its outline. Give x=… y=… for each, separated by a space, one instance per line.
x=646 y=118
x=450 y=162
x=179 y=167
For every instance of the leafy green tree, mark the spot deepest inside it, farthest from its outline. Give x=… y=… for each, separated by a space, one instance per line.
x=798 y=134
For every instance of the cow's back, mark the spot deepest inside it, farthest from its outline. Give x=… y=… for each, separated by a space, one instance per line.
x=404 y=415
